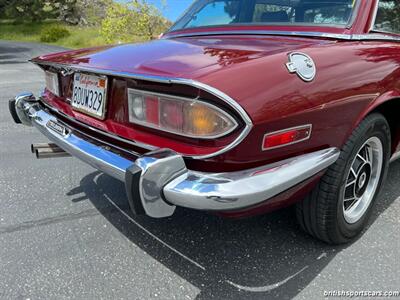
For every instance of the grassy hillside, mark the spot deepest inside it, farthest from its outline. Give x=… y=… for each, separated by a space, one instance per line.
x=80 y=37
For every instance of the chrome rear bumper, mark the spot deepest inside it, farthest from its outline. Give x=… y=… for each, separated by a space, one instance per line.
x=159 y=181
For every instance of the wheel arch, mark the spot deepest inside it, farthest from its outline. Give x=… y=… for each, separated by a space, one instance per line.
x=387 y=104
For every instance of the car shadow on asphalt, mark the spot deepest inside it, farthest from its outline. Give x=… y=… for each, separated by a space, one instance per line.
x=260 y=257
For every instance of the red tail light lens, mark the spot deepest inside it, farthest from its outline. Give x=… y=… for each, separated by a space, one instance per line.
x=171 y=115
x=286 y=137
x=187 y=117
x=152 y=110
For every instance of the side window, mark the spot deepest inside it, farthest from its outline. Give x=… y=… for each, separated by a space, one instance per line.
x=328 y=14
x=388 y=16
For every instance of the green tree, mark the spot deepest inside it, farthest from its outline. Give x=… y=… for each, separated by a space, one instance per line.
x=3 y=7
x=93 y=11
x=147 y=19
x=116 y=25
x=134 y=18
x=31 y=10
x=82 y=12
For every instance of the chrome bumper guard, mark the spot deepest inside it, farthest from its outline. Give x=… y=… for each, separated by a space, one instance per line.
x=159 y=181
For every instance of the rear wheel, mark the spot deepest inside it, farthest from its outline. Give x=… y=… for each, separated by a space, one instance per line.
x=338 y=209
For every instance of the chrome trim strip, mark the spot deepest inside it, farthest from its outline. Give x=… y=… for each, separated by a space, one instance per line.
x=197 y=100
x=239 y=190
x=181 y=81
x=260 y=32
x=75 y=68
x=376 y=37
x=345 y=37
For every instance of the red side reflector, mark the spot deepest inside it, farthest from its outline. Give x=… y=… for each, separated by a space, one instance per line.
x=286 y=137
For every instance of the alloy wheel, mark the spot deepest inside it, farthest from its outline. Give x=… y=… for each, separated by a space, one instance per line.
x=362 y=180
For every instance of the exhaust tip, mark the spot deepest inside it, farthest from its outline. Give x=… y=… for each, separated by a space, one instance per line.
x=48 y=151
x=45 y=146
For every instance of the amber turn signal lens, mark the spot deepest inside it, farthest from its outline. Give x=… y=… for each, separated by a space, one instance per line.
x=286 y=137
x=201 y=120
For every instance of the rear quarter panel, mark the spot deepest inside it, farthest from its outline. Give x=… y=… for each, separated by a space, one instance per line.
x=353 y=78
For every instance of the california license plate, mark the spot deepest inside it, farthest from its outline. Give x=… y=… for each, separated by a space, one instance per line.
x=89 y=94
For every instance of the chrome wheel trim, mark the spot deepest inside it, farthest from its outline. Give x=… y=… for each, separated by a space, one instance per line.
x=362 y=180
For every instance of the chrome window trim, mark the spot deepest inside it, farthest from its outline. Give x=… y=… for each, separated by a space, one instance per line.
x=345 y=37
x=354 y=14
x=261 y=24
x=375 y=14
x=197 y=100
x=181 y=81
x=376 y=37
x=347 y=25
x=259 y=32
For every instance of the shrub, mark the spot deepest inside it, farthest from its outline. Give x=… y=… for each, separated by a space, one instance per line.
x=53 y=34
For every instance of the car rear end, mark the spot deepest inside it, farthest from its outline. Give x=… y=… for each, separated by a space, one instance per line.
x=159 y=135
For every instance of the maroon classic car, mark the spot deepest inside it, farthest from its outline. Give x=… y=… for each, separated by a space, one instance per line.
x=241 y=108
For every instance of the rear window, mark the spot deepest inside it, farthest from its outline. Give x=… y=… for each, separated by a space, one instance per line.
x=289 y=12
x=388 y=17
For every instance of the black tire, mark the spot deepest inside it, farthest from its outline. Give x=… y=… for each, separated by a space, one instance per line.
x=321 y=213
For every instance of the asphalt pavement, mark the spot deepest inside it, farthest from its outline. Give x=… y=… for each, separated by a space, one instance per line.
x=66 y=232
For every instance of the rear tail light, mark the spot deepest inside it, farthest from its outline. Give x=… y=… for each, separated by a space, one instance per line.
x=286 y=137
x=52 y=83
x=182 y=116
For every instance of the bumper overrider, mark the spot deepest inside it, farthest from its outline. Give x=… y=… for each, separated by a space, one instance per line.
x=159 y=181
